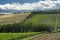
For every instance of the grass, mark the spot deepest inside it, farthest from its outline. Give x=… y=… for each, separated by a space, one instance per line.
x=35 y=19
x=58 y=22
x=48 y=19
x=13 y=18
x=16 y=36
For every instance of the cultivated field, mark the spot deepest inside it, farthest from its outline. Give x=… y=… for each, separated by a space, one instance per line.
x=13 y=18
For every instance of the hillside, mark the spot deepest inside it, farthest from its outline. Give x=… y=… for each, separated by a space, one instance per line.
x=13 y=18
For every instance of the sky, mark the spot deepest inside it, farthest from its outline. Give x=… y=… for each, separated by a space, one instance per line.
x=28 y=5
x=20 y=1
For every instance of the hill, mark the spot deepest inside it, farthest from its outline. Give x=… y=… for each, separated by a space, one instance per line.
x=12 y=18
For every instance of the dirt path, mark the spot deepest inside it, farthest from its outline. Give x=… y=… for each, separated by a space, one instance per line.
x=52 y=36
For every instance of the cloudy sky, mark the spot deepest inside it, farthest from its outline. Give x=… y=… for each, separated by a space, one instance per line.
x=28 y=5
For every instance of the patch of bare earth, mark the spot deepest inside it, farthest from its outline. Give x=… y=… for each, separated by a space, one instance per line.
x=51 y=36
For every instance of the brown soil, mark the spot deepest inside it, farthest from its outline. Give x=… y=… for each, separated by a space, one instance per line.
x=51 y=36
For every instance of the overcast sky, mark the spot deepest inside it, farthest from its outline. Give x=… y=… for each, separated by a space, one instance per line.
x=29 y=5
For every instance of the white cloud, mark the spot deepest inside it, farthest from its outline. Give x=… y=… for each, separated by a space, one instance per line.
x=41 y=5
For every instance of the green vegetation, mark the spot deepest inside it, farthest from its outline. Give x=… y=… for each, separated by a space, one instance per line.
x=58 y=22
x=43 y=22
x=16 y=36
x=38 y=19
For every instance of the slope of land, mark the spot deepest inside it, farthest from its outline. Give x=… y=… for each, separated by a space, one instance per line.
x=13 y=18
x=48 y=19
x=43 y=20
x=58 y=24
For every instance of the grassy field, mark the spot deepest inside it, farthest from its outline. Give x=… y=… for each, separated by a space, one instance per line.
x=48 y=19
x=13 y=18
x=16 y=36
x=58 y=22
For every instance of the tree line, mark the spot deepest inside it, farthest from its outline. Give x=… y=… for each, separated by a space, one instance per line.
x=22 y=27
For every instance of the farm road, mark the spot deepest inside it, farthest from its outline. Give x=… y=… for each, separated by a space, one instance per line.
x=51 y=36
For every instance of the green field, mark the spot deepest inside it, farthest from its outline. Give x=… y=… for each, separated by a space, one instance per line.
x=43 y=19
x=58 y=26
x=16 y=36
x=48 y=19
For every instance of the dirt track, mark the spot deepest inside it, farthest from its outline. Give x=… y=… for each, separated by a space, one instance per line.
x=52 y=36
